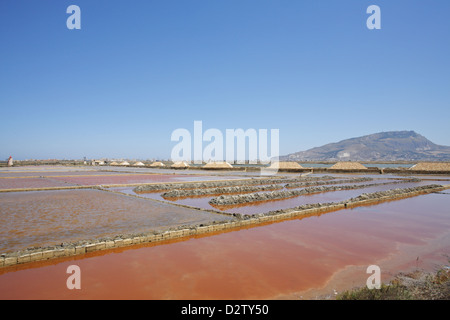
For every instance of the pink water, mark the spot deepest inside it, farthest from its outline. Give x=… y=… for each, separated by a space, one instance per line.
x=26 y=183
x=43 y=218
x=280 y=260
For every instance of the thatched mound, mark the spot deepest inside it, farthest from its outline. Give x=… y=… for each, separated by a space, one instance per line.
x=180 y=164
x=218 y=165
x=348 y=165
x=285 y=165
x=432 y=166
x=139 y=164
x=157 y=164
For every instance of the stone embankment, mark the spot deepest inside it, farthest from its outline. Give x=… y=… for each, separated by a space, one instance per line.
x=318 y=183
x=227 y=200
x=362 y=199
x=223 y=183
x=180 y=193
x=239 y=221
x=365 y=198
x=186 y=190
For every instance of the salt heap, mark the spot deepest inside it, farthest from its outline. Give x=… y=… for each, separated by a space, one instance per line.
x=348 y=165
x=218 y=165
x=180 y=164
x=432 y=166
x=285 y=165
x=157 y=164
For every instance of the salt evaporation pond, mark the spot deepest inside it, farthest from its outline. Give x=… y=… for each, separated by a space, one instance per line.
x=266 y=206
x=44 y=218
x=293 y=259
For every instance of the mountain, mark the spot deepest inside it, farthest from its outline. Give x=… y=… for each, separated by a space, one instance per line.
x=383 y=146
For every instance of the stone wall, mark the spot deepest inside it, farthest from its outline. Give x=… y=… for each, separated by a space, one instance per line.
x=239 y=221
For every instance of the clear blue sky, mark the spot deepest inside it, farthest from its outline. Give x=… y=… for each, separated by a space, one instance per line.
x=137 y=70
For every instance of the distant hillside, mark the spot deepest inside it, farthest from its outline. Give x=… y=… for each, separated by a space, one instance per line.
x=383 y=146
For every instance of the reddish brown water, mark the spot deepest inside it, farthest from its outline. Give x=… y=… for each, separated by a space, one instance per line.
x=57 y=173
x=279 y=260
x=25 y=183
x=118 y=179
x=134 y=179
x=81 y=178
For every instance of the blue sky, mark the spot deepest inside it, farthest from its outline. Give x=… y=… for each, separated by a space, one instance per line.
x=138 y=70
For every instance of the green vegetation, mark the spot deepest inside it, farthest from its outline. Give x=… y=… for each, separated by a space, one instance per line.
x=413 y=286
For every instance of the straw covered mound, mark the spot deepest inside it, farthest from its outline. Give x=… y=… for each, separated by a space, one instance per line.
x=157 y=164
x=285 y=165
x=179 y=164
x=218 y=165
x=348 y=165
x=431 y=166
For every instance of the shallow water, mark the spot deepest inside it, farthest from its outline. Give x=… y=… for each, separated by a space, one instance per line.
x=26 y=183
x=266 y=206
x=43 y=173
x=280 y=260
x=25 y=180
x=121 y=179
x=43 y=218
x=283 y=259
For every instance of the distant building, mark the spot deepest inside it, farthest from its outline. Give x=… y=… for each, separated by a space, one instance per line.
x=10 y=161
